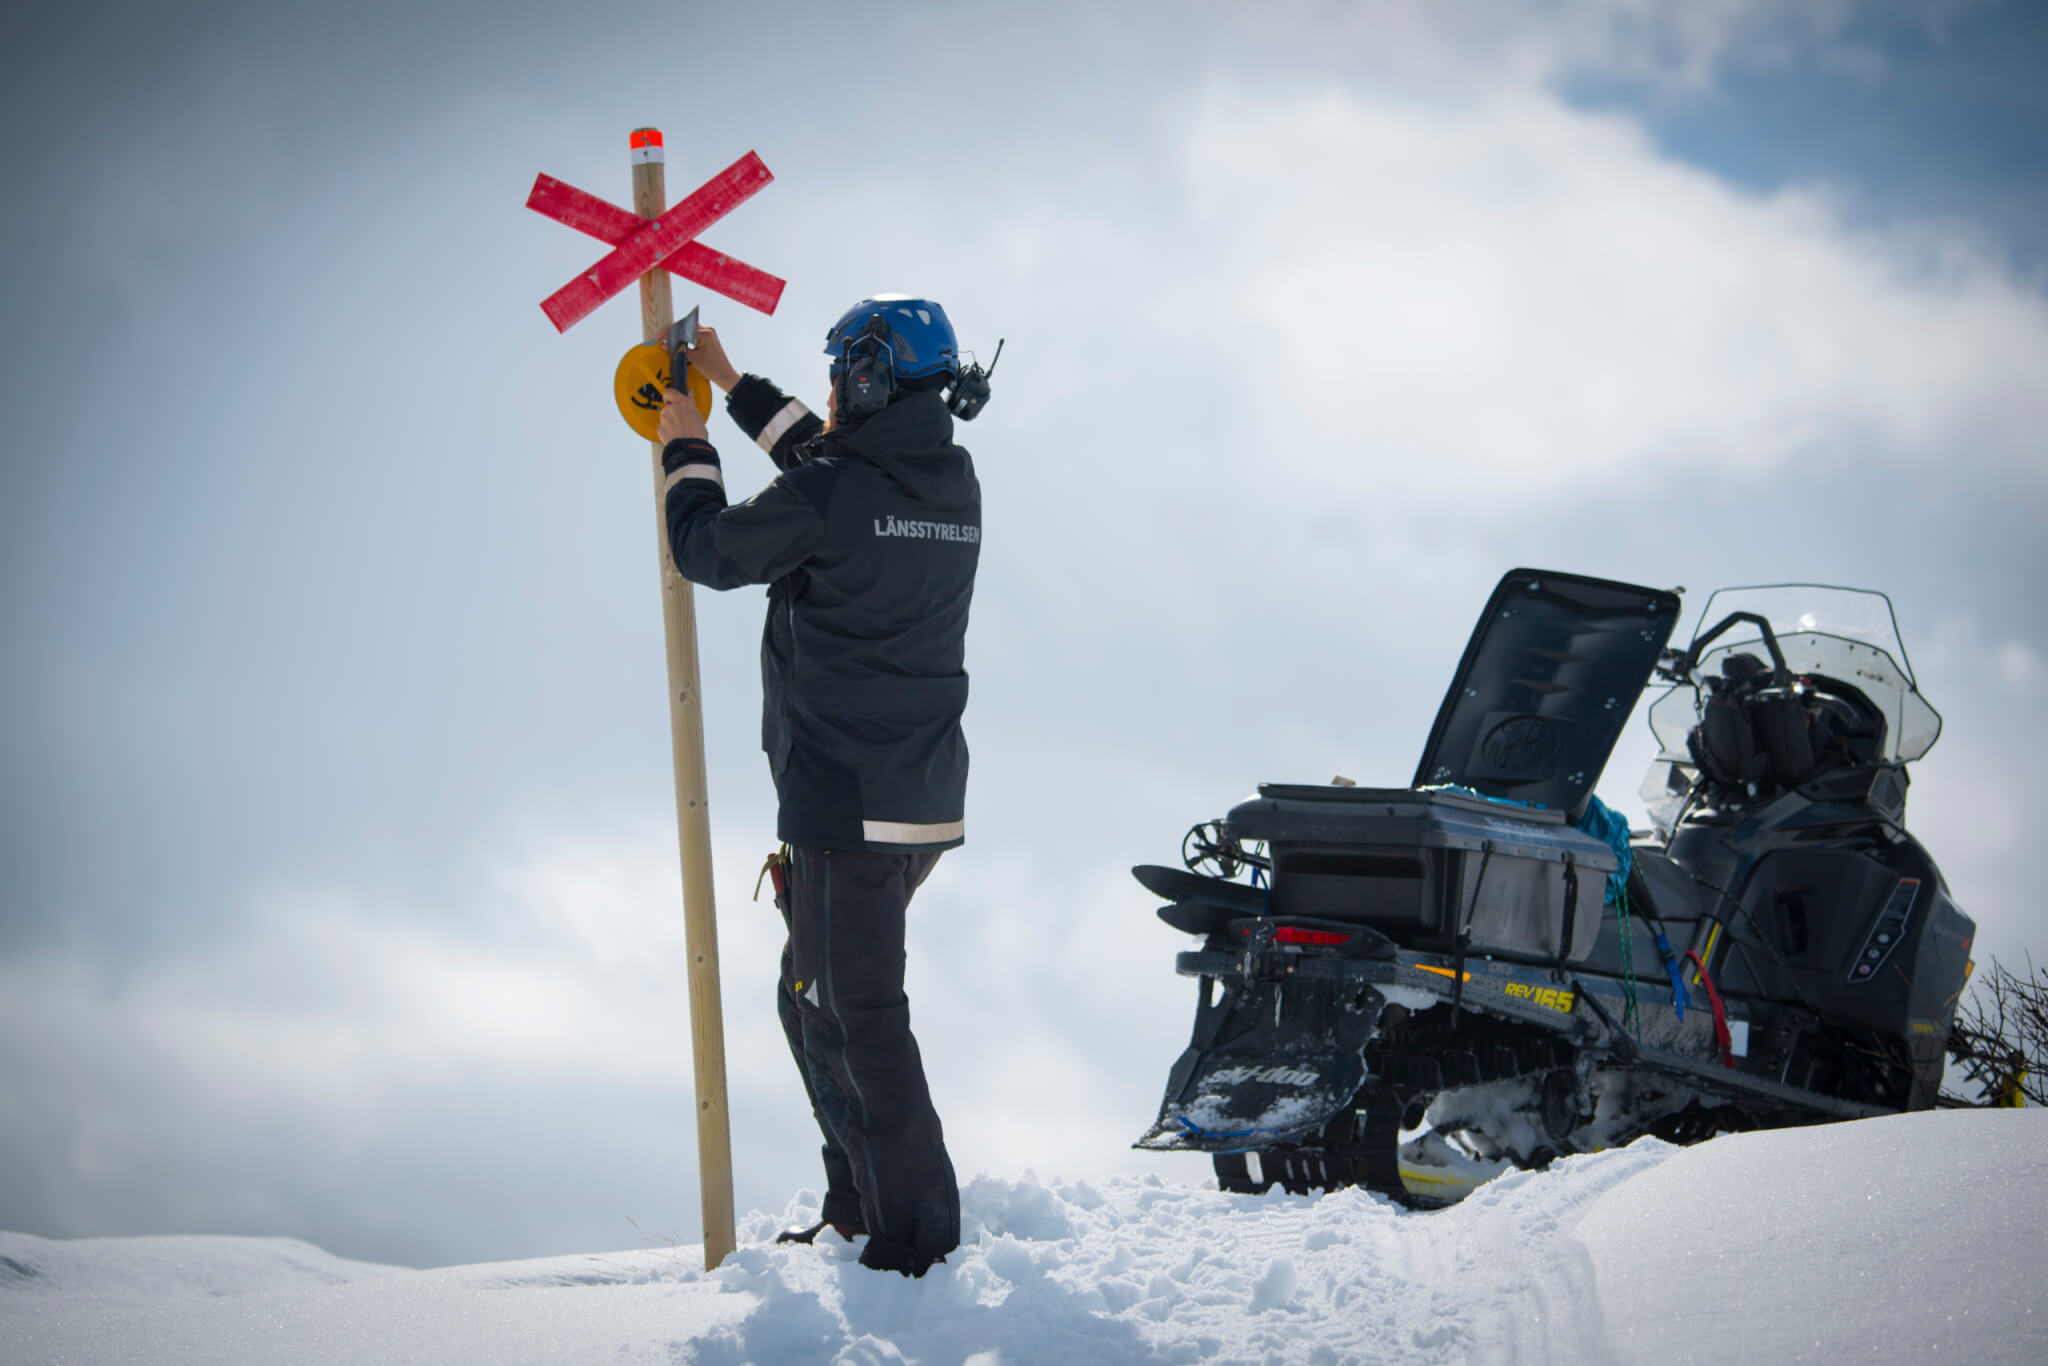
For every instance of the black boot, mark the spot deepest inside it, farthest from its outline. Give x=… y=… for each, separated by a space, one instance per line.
x=808 y=1235
x=886 y=1254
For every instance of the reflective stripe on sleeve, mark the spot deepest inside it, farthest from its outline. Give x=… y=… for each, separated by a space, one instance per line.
x=791 y=412
x=697 y=471
x=898 y=832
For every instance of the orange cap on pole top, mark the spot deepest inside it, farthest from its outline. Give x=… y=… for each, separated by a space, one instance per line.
x=646 y=145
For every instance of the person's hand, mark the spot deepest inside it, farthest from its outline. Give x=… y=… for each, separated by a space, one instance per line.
x=709 y=358
x=680 y=419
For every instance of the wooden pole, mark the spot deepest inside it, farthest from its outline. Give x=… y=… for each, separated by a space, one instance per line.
x=693 y=812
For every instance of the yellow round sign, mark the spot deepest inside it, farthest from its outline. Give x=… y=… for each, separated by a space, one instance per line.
x=638 y=385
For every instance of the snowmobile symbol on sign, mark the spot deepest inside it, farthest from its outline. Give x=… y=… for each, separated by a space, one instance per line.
x=1421 y=986
x=648 y=371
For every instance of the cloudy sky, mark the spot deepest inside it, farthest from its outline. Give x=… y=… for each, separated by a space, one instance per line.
x=338 y=893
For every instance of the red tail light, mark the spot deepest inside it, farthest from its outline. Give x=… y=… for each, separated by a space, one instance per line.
x=1288 y=934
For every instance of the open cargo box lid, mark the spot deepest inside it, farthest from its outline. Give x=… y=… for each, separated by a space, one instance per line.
x=1549 y=678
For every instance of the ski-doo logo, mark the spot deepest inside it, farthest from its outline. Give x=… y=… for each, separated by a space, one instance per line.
x=1272 y=1076
x=1542 y=996
x=928 y=531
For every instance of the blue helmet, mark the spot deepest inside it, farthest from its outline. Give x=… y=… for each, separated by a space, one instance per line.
x=920 y=339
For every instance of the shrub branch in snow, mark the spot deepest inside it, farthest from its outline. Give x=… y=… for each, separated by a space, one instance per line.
x=2000 y=1039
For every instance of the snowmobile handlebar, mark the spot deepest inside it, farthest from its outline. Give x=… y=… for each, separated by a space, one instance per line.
x=1681 y=667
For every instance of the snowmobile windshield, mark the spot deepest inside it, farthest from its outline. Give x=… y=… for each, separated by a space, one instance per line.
x=1839 y=637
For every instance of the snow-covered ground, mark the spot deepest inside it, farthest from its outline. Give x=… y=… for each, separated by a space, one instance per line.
x=1911 y=1239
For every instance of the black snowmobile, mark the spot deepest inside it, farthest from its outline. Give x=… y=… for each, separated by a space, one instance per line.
x=1413 y=988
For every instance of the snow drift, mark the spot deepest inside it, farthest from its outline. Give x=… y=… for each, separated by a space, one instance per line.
x=1911 y=1238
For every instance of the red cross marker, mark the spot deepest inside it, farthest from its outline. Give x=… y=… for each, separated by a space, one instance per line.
x=667 y=242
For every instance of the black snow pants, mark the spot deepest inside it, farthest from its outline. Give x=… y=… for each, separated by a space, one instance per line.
x=848 y=1022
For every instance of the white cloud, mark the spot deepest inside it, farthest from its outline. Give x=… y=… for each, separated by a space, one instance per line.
x=1520 y=299
x=1285 y=342
x=1675 y=50
x=334 y=1028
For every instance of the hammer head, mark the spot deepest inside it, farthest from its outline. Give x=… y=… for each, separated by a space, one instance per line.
x=681 y=341
x=682 y=334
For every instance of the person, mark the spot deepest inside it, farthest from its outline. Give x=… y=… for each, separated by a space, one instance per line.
x=868 y=541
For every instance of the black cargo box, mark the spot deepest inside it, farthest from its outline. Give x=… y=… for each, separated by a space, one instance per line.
x=1423 y=865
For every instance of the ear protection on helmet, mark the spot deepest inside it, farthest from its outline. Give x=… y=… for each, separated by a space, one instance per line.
x=867 y=379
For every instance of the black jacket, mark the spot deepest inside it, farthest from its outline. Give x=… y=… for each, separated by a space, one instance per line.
x=868 y=542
